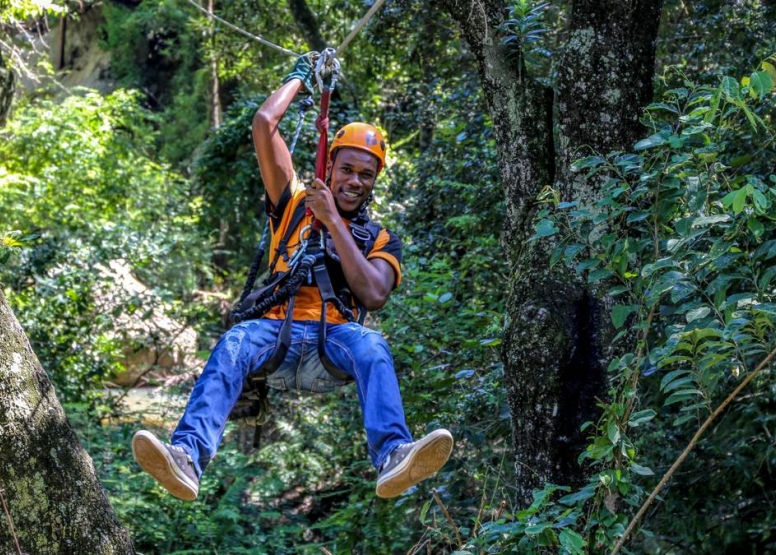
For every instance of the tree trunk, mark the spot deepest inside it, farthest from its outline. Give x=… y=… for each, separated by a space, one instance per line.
x=53 y=502
x=556 y=331
x=7 y=89
x=308 y=25
x=216 y=82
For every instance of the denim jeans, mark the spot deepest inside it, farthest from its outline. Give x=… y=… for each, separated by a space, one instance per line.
x=358 y=351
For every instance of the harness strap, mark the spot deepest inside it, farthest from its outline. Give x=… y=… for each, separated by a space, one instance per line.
x=296 y=218
x=327 y=295
x=256 y=384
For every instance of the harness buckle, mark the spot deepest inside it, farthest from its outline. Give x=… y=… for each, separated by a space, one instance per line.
x=360 y=233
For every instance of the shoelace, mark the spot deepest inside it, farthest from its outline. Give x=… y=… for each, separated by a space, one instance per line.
x=182 y=451
x=387 y=462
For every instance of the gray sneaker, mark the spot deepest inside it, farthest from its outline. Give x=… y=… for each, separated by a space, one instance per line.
x=170 y=465
x=411 y=463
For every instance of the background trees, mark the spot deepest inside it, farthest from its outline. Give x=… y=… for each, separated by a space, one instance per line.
x=556 y=336
x=525 y=178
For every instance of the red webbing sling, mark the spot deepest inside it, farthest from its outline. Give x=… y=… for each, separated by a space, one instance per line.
x=321 y=157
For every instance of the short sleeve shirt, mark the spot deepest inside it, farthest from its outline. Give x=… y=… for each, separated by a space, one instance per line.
x=307 y=305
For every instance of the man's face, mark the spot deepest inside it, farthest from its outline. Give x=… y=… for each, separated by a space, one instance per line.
x=352 y=178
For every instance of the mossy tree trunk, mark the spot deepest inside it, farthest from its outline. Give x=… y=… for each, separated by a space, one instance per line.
x=556 y=333
x=55 y=504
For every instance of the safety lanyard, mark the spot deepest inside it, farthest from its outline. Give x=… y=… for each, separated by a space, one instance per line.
x=326 y=64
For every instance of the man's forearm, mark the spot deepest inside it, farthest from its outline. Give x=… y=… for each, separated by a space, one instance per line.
x=368 y=282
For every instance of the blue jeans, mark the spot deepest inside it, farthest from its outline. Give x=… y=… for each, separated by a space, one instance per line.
x=358 y=351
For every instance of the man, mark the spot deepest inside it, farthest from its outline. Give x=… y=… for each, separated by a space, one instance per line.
x=356 y=157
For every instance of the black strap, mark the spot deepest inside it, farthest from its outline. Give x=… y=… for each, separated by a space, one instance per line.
x=255 y=385
x=328 y=295
x=282 y=249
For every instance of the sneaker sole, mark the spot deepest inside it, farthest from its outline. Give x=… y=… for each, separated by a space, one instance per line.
x=424 y=462
x=154 y=458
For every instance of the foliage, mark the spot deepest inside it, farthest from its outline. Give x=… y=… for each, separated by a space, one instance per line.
x=525 y=31
x=79 y=176
x=10 y=244
x=735 y=36
x=226 y=167
x=20 y=23
x=680 y=240
x=154 y=49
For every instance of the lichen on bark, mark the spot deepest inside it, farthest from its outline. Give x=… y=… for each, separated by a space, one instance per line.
x=555 y=337
x=48 y=481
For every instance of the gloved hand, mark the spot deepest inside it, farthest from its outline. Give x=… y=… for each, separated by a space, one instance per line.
x=303 y=69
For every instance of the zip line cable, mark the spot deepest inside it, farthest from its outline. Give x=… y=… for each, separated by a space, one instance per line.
x=263 y=41
x=360 y=25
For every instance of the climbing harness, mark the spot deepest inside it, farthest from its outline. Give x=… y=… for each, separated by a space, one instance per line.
x=307 y=265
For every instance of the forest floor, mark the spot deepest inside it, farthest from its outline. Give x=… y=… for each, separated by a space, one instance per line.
x=153 y=406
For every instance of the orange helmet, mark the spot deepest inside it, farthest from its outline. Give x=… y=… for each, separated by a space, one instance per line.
x=363 y=137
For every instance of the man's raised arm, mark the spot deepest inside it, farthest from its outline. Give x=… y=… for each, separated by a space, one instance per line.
x=273 y=154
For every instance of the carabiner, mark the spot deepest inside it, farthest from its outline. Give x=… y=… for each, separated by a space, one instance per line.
x=327 y=64
x=309 y=229
x=300 y=252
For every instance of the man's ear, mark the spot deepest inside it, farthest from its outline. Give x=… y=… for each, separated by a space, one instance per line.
x=329 y=166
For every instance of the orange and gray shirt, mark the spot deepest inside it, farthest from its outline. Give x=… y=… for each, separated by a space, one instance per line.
x=307 y=305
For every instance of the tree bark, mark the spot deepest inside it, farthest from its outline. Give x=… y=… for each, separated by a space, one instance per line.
x=308 y=25
x=556 y=332
x=216 y=82
x=7 y=89
x=55 y=503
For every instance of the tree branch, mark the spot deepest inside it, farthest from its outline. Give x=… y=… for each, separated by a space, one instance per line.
x=667 y=476
x=308 y=25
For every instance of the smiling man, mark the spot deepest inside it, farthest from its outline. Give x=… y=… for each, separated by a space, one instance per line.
x=357 y=266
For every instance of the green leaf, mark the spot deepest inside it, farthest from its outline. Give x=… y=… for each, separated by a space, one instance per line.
x=681 y=396
x=652 y=141
x=684 y=418
x=490 y=342
x=671 y=376
x=572 y=542
x=613 y=432
x=597 y=275
x=586 y=163
x=755 y=226
x=697 y=314
x=760 y=83
x=546 y=228
x=668 y=281
x=681 y=382
x=641 y=470
x=770 y=70
x=711 y=220
x=582 y=495
x=586 y=265
x=739 y=200
x=641 y=417
x=538 y=528
x=761 y=202
x=730 y=88
x=637 y=216
x=621 y=312
x=424 y=511
x=445 y=297
x=765 y=308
